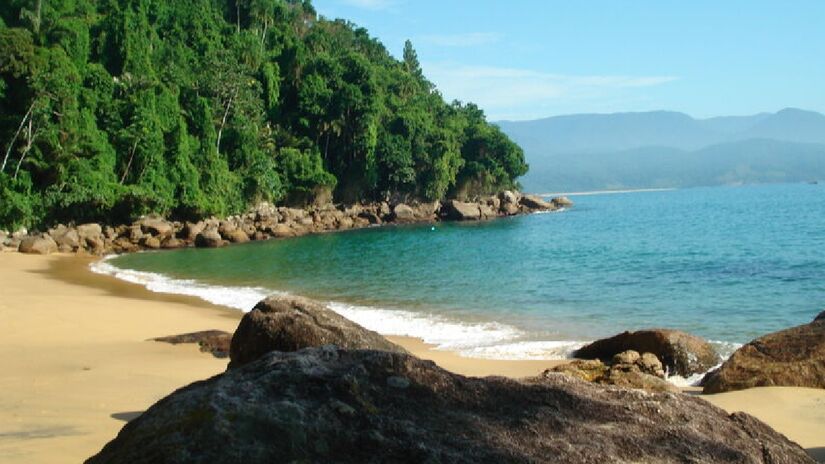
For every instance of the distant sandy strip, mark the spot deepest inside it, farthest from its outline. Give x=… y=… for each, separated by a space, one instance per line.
x=76 y=364
x=604 y=192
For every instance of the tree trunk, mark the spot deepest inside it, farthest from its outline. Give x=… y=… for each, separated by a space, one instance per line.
x=26 y=150
x=16 y=134
x=129 y=164
x=223 y=123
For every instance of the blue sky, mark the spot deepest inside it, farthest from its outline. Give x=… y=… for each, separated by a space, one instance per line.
x=526 y=59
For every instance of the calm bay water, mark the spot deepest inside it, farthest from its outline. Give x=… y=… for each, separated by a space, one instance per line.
x=726 y=263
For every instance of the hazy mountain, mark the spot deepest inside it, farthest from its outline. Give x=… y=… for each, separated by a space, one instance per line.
x=669 y=149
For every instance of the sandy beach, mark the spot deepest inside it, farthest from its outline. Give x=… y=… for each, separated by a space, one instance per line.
x=77 y=363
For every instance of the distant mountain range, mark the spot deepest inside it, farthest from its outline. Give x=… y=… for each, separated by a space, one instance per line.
x=669 y=149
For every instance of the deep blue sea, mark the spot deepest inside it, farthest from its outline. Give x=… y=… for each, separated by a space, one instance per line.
x=726 y=263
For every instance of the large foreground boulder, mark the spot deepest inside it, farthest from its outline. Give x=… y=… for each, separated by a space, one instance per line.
x=793 y=357
x=681 y=353
x=331 y=405
x=290 y=323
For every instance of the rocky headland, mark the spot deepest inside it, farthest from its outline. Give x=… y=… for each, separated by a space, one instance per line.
x=265 y=221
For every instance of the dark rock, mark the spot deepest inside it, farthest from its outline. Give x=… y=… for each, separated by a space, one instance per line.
x=820 y=317
x=215 y=342
x=332 y=405
x=288 y=323
x=461 y=211
x=37 y=244
x=371 y=217
x=681 y=353
x=793 y=357
x=209 y=239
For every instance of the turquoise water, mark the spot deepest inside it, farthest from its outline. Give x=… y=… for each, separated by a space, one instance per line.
x=726 y=263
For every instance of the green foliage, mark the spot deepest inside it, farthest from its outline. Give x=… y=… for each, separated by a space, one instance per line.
x=111 y=109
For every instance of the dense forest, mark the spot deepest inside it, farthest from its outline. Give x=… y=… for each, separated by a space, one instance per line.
x=110 y=109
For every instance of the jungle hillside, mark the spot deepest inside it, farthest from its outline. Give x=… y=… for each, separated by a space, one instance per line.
x=114 y=109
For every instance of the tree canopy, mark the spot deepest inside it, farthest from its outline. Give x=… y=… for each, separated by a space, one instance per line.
x=110 y=109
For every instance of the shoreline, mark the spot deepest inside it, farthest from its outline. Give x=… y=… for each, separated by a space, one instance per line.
x=80 y=364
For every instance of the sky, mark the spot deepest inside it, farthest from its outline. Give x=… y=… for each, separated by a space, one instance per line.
x=527 y=59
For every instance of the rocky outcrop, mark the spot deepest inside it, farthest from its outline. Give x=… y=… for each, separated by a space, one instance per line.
x=628 y=369
x=461 y=211
x=403 y=213
x=40 y=245
x=209 y=238
x=332 y=405
x=793 y=357
x=562 y=202
x=681 y=353
x=290 y=323
x=266 y=221
x=215 y=342
x=535 y=202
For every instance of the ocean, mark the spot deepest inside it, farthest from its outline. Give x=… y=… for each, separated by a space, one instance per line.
x=725 y=263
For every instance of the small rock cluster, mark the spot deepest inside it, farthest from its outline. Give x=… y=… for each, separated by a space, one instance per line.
x=681 y=353
x=628 y=369
x=263 y=222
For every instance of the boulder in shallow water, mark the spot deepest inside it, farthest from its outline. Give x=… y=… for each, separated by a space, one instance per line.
x=332 y=405
x=793 y=357
x=290 y=323
x=37 y=244
x=681 y=353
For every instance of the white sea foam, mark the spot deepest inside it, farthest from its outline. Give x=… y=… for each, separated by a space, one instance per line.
x=444 y=333
x=535 y=350
x=485 y=340
x=605 y=192
x=243 y=298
